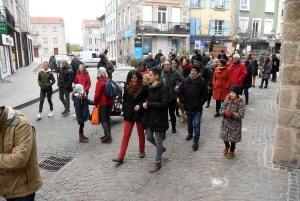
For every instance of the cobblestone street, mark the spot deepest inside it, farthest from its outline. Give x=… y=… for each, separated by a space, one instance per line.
x=185 y=174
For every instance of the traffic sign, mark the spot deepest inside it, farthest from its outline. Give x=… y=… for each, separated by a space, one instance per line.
x=271 y=43
x=3 y=28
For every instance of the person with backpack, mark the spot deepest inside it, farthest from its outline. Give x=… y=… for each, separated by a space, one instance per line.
x=104 y=102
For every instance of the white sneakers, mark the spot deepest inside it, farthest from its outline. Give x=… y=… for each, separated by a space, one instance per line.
x=39 y=116
x=51 y=113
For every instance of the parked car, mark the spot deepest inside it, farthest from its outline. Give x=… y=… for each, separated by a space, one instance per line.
x=91 y=59
x=55 y=61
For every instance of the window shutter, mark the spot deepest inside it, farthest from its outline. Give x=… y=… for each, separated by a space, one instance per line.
x=202 y=3
x=270 y=4
x=227 y=4
x=198 y=27
x=213 y=4
x=226 y=28
x=212 y=28
x=192 y=26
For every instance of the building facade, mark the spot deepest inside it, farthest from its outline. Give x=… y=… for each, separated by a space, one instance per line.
x=255 y=24
x=48 y=35
x=110 y=28
x=210 y=18
x=279 y=28
x=15 y=43
x=102 y=33
x=149 y=25
x=91 y=35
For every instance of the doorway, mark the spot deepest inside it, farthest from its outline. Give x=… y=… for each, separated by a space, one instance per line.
x=56 y=51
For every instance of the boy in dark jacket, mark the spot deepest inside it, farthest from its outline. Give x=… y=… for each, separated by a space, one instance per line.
x=193 y=94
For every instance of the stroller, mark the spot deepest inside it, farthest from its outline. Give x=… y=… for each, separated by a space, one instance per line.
x=117 y=106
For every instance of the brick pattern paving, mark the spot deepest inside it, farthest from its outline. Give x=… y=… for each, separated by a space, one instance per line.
x=185 y=174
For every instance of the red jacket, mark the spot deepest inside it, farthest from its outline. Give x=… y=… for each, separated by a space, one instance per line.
x=221 y=83
x=100 y=99
x=144 y=72
x=238 y=73
x=84 y=80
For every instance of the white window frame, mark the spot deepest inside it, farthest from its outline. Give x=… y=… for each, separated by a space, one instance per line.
x=55 y=40
x=46 y=51
x=248 y=5
x=90 y=31
x=96 y=41
x=259 y=28
x=269 y=8
x=44 y=29
x=128 y=11
x=54 y=29
x=33 y=29
x=268 y=31
x=219 y=31
x=222 y=2
x=45 y=40
x=243 y=29
x=124 y=18
x=90 y=40
x=120 y=21
x=96 y=50
x=282 y=10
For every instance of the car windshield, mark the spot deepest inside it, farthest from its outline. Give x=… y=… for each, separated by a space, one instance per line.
x=61 y=57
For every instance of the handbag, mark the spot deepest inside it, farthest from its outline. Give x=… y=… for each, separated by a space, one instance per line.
x=95 y=117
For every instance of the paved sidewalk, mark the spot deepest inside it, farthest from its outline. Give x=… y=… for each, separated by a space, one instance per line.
x=185 y=174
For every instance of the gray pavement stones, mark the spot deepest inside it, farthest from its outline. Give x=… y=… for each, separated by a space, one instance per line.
x=185 y=174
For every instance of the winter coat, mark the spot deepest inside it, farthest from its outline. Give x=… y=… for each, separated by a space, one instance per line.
x=238 y=73
x=100 y=99
x=205 y=61
x=156 y=116
x=172 y=79
x=198 y=58
x=146 y=71
x=109 y=69
x=266 y=74
x=19 y=172
x=186 y=69
x=211 y=71
x=231 y=129
x=204 y=73
x=179 y=70
x=75 y=65
x=101 y=64
x=172 y=56
x=157 y=58
x=84 y=80
x=66 y=77
x=193 y=94
x=129 y=102
x=81 y=105
x=276 y=64
x=221 y=83
x=224 y=56
x=46 y=79
x=255 y=68
x=150 y=63
x=247 y=83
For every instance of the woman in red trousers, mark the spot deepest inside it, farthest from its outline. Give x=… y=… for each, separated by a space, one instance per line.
x=135 y=94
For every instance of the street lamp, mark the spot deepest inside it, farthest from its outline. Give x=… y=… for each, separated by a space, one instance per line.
x=142 y=28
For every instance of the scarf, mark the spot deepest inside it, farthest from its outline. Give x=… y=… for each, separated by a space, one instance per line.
x=265 y=65
x=134 y=88
x=193 y=78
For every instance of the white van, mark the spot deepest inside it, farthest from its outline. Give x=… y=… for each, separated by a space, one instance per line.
x=89 y=58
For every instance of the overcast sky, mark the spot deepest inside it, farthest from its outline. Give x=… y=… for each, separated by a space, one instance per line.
x=73 y=12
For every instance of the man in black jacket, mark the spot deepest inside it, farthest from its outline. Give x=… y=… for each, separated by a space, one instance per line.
x=157 y=57
x=75 y=64
x=202 y=70
x=193 y=94
x=64 y=83
x=150 y=63
x=196 y=57
x=222 y=55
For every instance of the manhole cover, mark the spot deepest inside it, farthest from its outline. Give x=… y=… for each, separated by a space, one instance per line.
x=219 y=182
x=54 y=163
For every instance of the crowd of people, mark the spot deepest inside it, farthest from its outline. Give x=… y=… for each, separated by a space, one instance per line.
x=150 y=98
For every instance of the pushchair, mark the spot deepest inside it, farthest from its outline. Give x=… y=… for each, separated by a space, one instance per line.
x=117 y=106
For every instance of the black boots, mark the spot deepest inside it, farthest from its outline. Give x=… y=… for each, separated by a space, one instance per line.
x=177 y=112
x=189 y=136
x=195 y=146
x=173 y=128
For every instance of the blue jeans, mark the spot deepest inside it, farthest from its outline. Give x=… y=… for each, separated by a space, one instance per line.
x=246 y=93
x=157 y=141
x=193 y=121
x=26 y=198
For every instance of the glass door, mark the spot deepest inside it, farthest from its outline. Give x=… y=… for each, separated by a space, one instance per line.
x=162 y=24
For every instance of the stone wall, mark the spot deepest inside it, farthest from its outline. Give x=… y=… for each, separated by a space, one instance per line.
x=287 y=143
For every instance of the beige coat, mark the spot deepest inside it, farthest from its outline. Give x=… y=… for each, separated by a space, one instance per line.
x=19 y=172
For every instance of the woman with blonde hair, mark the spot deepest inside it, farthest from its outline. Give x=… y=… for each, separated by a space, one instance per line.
x=162 y=60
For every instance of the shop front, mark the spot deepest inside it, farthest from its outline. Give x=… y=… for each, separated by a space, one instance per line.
x=202 y=42
x=5 y=55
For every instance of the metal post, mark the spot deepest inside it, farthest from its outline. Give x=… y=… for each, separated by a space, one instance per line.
x=142 y=45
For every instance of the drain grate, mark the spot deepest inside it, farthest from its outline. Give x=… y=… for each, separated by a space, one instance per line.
x=54 y=163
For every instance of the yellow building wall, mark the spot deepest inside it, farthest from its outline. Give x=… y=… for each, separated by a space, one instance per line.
x=206 y=14
x=280 y=19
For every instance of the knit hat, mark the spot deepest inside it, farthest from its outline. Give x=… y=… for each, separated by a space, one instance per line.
x=222 y=50
x=195 y=67
x=102 y=72
x=236 y=89
x=78 y=89
x=196 y=61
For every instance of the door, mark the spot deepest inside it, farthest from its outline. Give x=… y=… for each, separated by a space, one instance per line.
x=36 y=52
x=4 y=62
x=55 y=51
x=162 y=19
x=162 y=43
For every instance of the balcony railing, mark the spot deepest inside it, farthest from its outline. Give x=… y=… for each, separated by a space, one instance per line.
x=36 y=44
x=219 y=32
x=163 y=28
x=35 y=33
